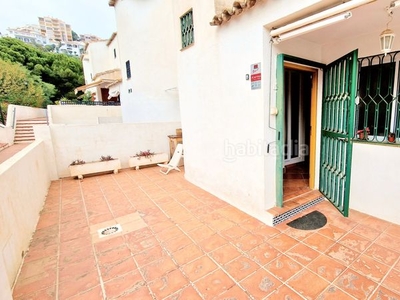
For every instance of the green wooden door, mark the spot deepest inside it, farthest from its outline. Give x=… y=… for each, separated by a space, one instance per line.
x=340 y=83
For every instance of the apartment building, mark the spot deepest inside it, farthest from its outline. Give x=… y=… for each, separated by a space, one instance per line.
x=55 y=29
x=88 y=38
x=29 y=34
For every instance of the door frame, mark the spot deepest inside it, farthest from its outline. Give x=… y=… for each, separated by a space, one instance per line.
x=290 y=113
x=313 y=115
x=287 y=61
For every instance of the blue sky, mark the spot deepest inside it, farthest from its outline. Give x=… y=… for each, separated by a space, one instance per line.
x=84 y=16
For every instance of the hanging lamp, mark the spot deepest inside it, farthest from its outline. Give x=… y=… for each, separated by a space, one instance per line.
x=387 y=36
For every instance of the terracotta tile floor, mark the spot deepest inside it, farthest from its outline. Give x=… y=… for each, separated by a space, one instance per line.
x=295 y=181
x=179 y=242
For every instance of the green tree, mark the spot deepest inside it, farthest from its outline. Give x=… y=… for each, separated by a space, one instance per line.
x=50 y=48
x=17 y=86
x=62 y=71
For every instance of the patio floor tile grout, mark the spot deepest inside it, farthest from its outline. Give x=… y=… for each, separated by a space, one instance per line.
x=193 y=228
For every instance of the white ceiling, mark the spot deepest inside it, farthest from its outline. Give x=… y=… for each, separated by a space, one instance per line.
x=369 y=18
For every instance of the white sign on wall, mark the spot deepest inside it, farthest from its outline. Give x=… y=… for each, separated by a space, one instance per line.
x=255 y=76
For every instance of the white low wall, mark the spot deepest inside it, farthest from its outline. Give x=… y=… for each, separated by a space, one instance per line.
x=6 y=135
x=24 y=112
x=375 y=187
x=24 y=182
x=5 y=291
x=84 y=114
x=90 y=142
x=18 y=112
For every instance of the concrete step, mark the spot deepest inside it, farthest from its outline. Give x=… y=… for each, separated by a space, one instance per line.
x=24 y=127
x=23 y=141
x=24 y=130
x=25 y=135
x=31 y=122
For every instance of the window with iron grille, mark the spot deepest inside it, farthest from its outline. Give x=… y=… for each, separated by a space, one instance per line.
x=187 y=29
x=128 y=69
x=378 y=109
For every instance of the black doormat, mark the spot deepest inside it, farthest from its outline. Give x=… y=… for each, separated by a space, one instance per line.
x=311 y=221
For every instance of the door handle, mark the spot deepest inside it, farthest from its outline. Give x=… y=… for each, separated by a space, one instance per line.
x=343 y=139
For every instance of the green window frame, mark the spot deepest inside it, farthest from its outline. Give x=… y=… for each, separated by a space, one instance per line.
x=187 y=29
x=378 y=107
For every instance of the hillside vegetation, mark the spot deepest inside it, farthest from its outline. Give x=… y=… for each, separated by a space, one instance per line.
x=32 y=76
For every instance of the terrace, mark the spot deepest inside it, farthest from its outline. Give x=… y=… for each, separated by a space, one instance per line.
x=179 y=242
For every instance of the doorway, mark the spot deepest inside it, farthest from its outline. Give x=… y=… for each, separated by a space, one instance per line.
x=299 y=123
x=337 y=126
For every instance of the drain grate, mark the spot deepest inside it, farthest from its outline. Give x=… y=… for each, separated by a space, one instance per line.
x=282 y=217
x=109 y=230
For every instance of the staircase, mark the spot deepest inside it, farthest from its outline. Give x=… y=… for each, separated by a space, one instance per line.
x=24 y=130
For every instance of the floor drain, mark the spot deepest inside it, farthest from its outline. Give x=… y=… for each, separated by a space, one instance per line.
x=109 y=230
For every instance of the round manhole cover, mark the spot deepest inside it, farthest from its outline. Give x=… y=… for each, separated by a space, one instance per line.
x=109 y=230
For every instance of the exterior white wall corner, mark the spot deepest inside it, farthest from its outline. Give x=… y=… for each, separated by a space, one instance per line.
x=147 y=39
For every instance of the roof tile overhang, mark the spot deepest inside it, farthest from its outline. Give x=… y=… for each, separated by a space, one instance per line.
x=109 y=74
x=106 y=83
x=104 y=79
x=89 y=85
x=112 y=2
x=237 y=8
x=112 y=83
x=114 y=34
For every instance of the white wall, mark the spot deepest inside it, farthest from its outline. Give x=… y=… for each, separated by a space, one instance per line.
x=43 y=133
x=87 y=68
x=98 y=56
x=147 y=39
x=115 y=62
x=88 y=132
x=6 y=135
x=90 y=142
x=83 y=114
x=23 y=112
x=225 y=124
x=24 y=181
x=222 y=118
x=375 y=185
x=5 y=290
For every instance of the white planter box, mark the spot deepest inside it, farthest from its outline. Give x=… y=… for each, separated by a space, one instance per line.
x=95 y=167
x=136 y=162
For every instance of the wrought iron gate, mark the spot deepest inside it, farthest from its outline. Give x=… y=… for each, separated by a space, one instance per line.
x=340 y=82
